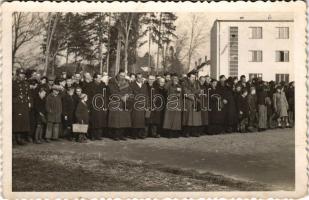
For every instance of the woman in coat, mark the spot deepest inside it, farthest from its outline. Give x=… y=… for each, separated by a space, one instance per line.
x=119 y=115
x=172 y=115
x=281 y=106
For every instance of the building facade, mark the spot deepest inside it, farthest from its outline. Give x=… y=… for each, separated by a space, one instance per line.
x=255 y=48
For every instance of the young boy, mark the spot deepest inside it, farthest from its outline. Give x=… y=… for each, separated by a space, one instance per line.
x=243 y=110
x=82 y=116
x=54 y=111
x=40 y=115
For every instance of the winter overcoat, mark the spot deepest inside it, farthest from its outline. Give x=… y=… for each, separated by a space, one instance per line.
x=191 y=115
x=281 y=105
x=119 y=115
x=53 y=108
x=139 y=105
x=172 y=115
x=98 y=101
x=21 y=106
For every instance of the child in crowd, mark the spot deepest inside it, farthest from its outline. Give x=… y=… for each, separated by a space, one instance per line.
x=281 y=107
x=54 y=111
x=82 y=116
x=40 y=115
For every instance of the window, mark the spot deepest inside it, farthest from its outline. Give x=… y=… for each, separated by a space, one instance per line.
x=255 y=75
x=282 y=77
x=256 y=33
x=256 y=56
x=283 y=32
x=282 y=56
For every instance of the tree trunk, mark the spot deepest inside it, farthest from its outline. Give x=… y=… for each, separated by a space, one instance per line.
x=100 y=57
x=149 y=45
x=126 y=46
x=118 y=53
x=49 y=43
x=108 y=44
x=191 y=40
x=159 y=41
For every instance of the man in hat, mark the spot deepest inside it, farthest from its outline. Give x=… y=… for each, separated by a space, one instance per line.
x=191 y=115
x=54 y=111
x=140 y=92
x=98 y=108
x=156 y=99
x=172 y=115
x=119 y=116
x=21 y=107
x=50 y=84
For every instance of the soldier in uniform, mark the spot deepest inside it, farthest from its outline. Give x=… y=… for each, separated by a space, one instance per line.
x=21 y=107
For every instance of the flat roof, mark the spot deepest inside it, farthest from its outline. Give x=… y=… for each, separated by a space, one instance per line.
x=254 y=20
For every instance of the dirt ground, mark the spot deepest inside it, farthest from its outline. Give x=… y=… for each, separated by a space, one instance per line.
x=251 y=161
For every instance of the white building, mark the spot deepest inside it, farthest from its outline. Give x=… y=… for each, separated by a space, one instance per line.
x=255 y=48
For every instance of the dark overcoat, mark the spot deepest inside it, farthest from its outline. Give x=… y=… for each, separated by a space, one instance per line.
x=230 y=107
x=21 y=106
x=172 y=114
x=69 y=104
x=157 y=98
x=98 y=101
x=216 y=113
x=139 y=105
x=82 y=113
x=119 y=114
x=87 y=87
x=40 y=109
x=53 y=108
x=204 y=104
x=191 y=115
x=243 y=106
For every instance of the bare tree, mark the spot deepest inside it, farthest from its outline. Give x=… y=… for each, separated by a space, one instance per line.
x=26 y=26
x=197 y=37
x=126 y=20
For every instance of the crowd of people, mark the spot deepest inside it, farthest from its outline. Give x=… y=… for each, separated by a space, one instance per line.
x=45 y=109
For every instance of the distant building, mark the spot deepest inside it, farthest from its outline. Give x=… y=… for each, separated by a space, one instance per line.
x=255 y=48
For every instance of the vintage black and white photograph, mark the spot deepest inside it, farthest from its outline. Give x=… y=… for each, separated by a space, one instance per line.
x=150 y=101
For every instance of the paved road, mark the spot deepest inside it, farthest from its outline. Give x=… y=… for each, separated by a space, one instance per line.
x=264 y=157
